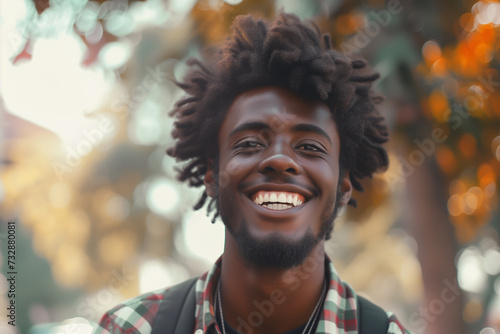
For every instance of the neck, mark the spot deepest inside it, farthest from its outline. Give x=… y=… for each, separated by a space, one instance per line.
x=269 y=300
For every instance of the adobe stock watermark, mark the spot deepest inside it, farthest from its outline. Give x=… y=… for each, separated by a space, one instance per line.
x=75 y=154
x=419 y=320
x=92 y=306
x=61 y=15
x=293 y=278
x=372 y=29
x=277 y=124
x=427 y=146
x=92 y=138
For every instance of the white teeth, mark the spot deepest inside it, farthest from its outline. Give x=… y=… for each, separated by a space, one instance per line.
x=277 y=206
x=277 y=200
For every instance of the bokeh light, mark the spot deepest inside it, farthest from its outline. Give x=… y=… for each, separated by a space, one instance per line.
x=471 y=274
x=197 y=230
x=162 y=196
x=157 y=274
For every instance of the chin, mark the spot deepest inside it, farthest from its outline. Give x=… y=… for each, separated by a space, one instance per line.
x=274 y=250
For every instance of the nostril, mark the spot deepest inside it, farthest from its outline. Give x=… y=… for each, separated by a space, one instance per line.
x=268 y=169
x=279 y=163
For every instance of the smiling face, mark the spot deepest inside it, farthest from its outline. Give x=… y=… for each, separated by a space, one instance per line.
x=278 y=178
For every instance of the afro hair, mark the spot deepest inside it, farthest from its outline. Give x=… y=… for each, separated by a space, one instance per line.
x=287 y=53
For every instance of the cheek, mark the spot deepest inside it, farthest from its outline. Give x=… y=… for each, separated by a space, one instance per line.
x=235 y=166
x=227 y=170
x=324 y=174
x=233 y=170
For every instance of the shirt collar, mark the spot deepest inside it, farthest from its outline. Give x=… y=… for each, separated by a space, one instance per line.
x=339 y=310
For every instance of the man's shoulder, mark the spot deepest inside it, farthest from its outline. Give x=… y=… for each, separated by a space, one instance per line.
x=373 y=318
x=135 y=315
x=149 y=300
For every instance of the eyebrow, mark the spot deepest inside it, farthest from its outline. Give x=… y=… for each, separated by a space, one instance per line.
x=305 y=127
x=302 y=127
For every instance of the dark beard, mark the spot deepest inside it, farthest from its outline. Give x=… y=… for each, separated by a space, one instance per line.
x=274 y=251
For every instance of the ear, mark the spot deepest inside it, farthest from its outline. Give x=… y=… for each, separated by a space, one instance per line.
x=345 y=188
x=209 y=180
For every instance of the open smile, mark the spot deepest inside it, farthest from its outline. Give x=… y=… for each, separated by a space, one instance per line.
x=277 y=200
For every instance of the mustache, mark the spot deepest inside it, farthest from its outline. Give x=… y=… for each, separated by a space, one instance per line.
x=278 y=180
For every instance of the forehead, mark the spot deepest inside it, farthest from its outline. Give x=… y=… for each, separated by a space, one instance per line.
x=277 y=107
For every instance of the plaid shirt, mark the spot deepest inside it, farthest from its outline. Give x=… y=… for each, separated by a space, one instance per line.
x=136 y=315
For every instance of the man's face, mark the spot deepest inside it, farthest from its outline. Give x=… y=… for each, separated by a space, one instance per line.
x=278 y=175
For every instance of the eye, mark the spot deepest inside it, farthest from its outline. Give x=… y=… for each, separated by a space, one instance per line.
x=249 y=145
x=311 y=148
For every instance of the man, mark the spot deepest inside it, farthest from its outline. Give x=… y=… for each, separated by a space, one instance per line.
x=279 y=128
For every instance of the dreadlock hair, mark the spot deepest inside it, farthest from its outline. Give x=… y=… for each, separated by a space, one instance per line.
x=287 y=53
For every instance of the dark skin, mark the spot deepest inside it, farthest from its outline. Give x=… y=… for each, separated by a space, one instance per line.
x=272 y=141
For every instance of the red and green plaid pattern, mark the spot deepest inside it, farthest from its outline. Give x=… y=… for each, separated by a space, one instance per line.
x=136 y=315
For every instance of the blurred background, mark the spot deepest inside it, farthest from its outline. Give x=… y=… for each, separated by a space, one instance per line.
x=85 y=91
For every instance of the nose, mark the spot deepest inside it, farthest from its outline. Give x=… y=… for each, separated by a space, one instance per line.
x=279 y=161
